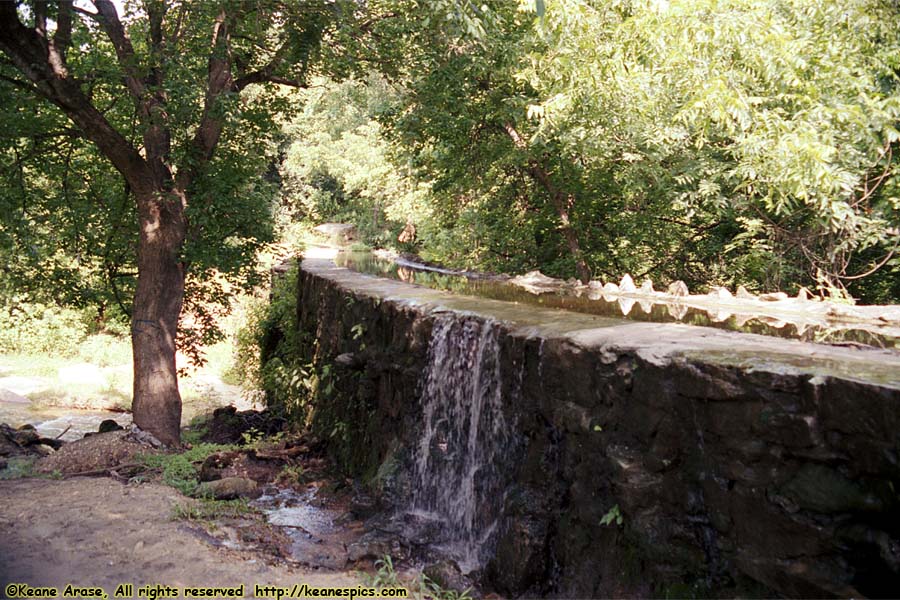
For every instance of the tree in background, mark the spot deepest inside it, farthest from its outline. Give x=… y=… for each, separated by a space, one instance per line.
x=338 y=167
x=663 y=138
x=158 y=93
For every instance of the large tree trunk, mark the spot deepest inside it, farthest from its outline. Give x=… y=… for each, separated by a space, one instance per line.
x=154 y=322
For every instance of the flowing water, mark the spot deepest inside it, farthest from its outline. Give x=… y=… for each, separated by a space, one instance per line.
x=458 y=472
x=592 y=302
x=67 y=424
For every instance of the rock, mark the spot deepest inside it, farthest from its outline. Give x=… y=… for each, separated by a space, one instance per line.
x=627 y=284
x=408 y=235
x=804 y=294
x=369 y=549
x=595 y=285
x=536 y=282
x=26 y=435
x=228 y=425
x=143 y=437
x=12 y=397
x=743 y=294
x=363 y=505
x=824 y=490
x=773 y=297
x=108 y=425
x=44 y=449
x=611 y=288
x=647 y=287
x=212 y=467
x=678 y=288
x=720 y=293
x=448 y=576
x=348 y=360
x=230 y=488
x=3 y=463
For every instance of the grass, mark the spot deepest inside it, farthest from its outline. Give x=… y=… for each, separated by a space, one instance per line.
x=181 y=470
x=110 y=388
x=18 y=467
x=211 y=510
x=30 y=365
x=21 y=467
x=420 y=587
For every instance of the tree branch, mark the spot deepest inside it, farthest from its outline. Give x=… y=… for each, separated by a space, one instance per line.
x=28 y=52
x=115 y=31
x=63 y=36
x=219 y=82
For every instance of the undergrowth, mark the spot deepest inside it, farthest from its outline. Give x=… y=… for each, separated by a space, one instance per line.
x=420 y=587
x=208 y=509
x=181 y=471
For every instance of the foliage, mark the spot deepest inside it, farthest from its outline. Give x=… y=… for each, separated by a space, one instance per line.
x=271 y=340
x=181 y=470
x=207 y=509
x=337 y=167
x=34 y=328
x=613 y=515
x=667 y=138
x=291 y=475
x=419 y=588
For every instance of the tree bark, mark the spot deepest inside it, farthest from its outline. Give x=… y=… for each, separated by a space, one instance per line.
x=158 y=187
x=154 y=321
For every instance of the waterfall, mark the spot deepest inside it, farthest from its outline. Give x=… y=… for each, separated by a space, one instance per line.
x=458 y=467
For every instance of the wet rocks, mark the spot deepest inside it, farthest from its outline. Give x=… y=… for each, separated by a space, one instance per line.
x=448 y=576
x=722 y=470
x=377 y=544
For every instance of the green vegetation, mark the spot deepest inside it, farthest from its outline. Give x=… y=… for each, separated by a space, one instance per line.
x=269 y=351
x=181 y=470
x=613 y=516
x=18 y=467
x=659 y=138
x=419 y=586
x=207 y=510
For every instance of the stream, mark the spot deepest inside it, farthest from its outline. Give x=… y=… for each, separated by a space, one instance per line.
x=592 y=301
x=68 y=424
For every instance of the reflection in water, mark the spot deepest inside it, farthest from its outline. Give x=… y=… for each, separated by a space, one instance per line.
x=592 y=303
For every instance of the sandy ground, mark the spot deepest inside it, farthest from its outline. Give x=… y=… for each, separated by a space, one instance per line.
x=98 y=532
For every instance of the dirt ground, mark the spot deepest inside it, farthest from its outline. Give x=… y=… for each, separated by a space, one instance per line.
x=99 y=532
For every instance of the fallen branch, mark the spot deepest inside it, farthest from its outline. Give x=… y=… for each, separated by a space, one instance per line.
x=108 y=470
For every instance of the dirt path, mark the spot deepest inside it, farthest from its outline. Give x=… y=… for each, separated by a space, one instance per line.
x=98 y=532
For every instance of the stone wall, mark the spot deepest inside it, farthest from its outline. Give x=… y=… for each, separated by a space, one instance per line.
x=738 y=464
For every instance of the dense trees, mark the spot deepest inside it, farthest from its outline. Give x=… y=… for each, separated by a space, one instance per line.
x=737 y=141
x=665 y=138
x=157 y=93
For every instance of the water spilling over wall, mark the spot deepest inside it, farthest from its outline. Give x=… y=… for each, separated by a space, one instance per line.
x=733 y=460
x=458 y=473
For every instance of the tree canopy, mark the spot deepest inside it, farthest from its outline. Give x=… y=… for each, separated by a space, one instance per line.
x=719 y=142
